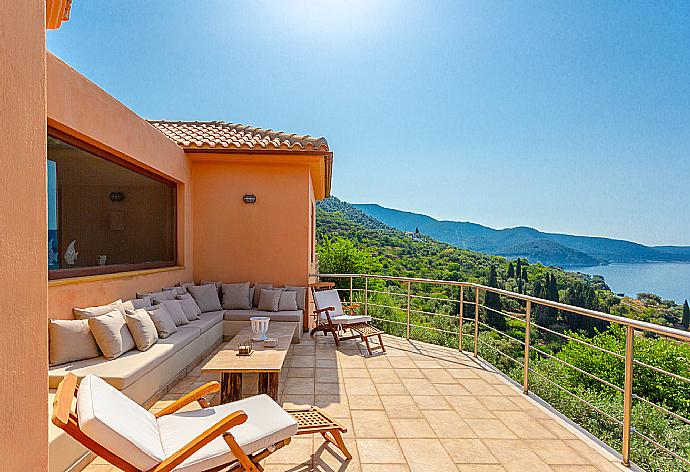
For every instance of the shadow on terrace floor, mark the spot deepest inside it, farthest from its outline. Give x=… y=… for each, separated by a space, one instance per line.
x=419 y=407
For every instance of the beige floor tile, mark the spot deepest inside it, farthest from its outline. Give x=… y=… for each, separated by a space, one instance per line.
x=358 y=386
x=462 y=373
x=429 y=402
x=380 y=451
x=420 y=387
x=409 y=373
x=427 y=364
x=329 y=388
x=297 y=401
x=305 y=372
x=499 y=403
x=371 y=424
x=326 y=363
x=452 y=389
x=355 y=373
x=328 y=458
x=480 y=468
x=448 y=424
x=574 y=468
x=468 y=451
x=302 y=361
x=335 y=406
x=490 y=428
x=329 y=375
x=384 y=376
x=515 y=455
x=296 y=385
x=378 y=362
x=404 y=363
x=557 y=429
x=365 y=402
x=297 y=452
x=400 y=406
x=416 y=428
x=391 y=389
x=468 y=407
x=524 y=425
x=478 y=387
x=439 y=376
x=555 y=451
x=385 y=468
x=424 y=455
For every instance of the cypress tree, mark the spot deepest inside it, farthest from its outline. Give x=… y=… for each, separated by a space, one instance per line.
x=524 y=274
x=493 y=301
x=518 y=268
x=686 y=315
x=511 y=270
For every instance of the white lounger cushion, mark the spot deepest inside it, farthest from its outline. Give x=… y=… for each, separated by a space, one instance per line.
x=330 y=298
x=119 y=424
x=267 y=424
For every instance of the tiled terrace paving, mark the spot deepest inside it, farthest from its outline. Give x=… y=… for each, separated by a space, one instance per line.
x=419 y=407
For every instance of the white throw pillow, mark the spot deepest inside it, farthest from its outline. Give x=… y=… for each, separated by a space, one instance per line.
x=301 y=295
x=189 y=306
x=142 y=328
x=70 y=340
x=288 y=301
x=90 y=312
x=161 y=318
x=175 y=310
x=111 y=334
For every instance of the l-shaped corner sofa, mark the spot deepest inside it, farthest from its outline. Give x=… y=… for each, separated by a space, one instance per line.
x=146 y=376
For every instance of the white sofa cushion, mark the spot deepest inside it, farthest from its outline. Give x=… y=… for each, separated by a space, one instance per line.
x=301 y=295
x=119 y=424
x=142 y=328
x=267 y=423
x=129 y=367
x=90 y=312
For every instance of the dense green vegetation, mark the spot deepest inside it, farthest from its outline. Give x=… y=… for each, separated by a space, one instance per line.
x=352 y=242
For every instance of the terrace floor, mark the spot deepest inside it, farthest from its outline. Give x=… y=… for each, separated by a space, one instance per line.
x=419 y=407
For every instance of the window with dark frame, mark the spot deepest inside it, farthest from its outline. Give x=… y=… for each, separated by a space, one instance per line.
x=104 y=214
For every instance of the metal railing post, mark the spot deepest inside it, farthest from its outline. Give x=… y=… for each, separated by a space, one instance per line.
x=627 y=393
x=525 y=381
x=366 y=296
x=476 y=319
x=350 y=290
x=462 y=304
x=407 y=323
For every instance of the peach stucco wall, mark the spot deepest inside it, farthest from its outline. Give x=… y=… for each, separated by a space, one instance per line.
x=265 y=242
x=23 y=243
x=81 y=109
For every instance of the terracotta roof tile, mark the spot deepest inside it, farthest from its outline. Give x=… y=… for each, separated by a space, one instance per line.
x=219 y=134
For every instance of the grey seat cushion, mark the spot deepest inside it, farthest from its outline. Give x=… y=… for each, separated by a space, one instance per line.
x=130 y=366
x=244 y=315
x=206 y=321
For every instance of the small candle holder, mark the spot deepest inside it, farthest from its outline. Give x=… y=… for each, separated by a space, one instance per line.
x=244 y=348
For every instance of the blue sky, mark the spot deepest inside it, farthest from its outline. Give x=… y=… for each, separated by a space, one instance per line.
x=565 y=116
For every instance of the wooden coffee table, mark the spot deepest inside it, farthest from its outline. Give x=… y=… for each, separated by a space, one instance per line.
x=266 y=361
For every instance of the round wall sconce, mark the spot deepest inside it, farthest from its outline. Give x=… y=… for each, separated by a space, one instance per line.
x=117 y=196
x=249 y=198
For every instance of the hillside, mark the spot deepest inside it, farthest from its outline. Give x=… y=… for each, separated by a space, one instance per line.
x=537 y=246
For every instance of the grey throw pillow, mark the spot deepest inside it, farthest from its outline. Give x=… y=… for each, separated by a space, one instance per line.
x=142 y=328
x=111 y=334
x=90 y=312
x=301 y=295
x=257 y=292
x=175 y=310
x=177 y=290
x=206 y=296
x=219 y=285
x=162 y=295
x=236 y=296
x=162 y=320
x=189 y=306
x=269 y=300
x=70 y=340
x=288 y=300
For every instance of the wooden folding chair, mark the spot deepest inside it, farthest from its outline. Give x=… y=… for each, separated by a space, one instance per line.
x=331 y=316
x=67 y=419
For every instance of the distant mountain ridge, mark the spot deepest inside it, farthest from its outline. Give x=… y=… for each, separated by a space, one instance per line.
x=548 y=248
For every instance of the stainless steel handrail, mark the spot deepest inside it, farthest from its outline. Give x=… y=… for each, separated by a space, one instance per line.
x=628 y=357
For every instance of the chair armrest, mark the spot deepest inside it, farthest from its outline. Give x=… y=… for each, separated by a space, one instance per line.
x=328 y=308
x=196 y=395
x=218 y=429
x=351 y=307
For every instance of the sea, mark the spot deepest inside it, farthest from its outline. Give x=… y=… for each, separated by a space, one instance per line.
x=669 y=280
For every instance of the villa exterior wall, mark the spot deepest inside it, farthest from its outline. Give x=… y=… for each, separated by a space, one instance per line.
x=81 y=109
x=23 y=244
x=265 y=242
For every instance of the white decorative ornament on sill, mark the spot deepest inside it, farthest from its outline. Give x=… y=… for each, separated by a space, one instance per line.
x=71 y=254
